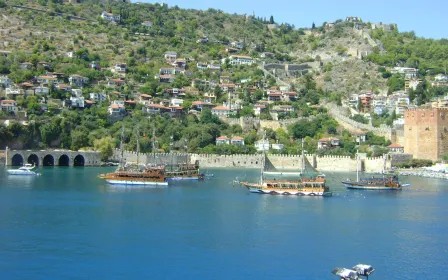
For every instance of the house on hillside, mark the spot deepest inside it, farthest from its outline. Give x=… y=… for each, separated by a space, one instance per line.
x=259 y=108
x=237 y=140
x=222 y=140
x=166 y=78
x=262 y=145
x=395 y=148
x=26 y=65
x=267 y=55
x=115 y=83
x=77 y=80
x=274 y=96
x=110 y=17
x=147 y=23
x=46 y=80
x=170 y=56
x=9 y=106
x=239 y=60
x=179 y=63
x=116 y=110
x=5 y=82
x=237 y=45
x=407 y=72
x=221 y=111
x=120 y=68
x=327 y=143
x=41 y=91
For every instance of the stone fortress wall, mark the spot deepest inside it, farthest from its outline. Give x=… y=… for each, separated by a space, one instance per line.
x=280 y=162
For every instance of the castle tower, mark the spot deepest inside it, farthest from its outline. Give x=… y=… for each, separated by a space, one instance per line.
x=426 y=133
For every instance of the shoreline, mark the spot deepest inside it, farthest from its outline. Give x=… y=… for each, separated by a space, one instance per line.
x=423 y=173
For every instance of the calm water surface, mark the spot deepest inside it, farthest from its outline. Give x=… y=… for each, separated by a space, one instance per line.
x=69 y=224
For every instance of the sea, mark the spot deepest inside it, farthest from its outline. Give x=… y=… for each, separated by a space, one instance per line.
x=69 y=224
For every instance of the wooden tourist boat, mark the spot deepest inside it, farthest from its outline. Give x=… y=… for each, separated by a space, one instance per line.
x=311 y=186
x=127 y=175
x=183 y=171
x=149 y=176
x=385 y=182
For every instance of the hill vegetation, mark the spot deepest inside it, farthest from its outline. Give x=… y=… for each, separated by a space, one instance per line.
x=46 y=31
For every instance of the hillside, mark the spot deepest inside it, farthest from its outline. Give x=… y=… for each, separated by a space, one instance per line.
x=121 y=56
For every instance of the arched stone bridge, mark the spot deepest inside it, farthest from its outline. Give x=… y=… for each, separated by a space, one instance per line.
x=52 y=158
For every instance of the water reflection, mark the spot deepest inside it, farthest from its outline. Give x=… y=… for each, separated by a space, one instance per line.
x=26 y=182
x=127 y=188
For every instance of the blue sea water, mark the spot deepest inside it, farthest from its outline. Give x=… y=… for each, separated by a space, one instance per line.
x=69 y=224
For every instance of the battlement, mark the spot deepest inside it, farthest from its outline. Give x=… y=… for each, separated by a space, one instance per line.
x=427 y=109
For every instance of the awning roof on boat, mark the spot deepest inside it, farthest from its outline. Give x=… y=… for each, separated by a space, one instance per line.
x=363 y=269
x=345 y=273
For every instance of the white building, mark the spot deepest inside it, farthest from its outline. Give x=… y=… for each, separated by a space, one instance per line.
x=262 y=145
x=41 y=91
x=5 y=81
x=221 y=111
x=239 y=60
x=110 y=17
x=9 y=106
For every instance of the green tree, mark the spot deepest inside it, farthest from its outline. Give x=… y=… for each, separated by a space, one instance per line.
x=105 y=146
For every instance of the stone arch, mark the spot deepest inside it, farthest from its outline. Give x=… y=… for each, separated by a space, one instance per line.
x=33 y=159
x=48 y=160
x=64 y=160
x=79 y=161
x=17 y=160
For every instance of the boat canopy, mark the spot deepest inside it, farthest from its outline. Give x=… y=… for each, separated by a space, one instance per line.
x=345 y=273
x=363 y=269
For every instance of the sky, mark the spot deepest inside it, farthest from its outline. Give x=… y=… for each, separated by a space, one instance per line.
x=423 y=17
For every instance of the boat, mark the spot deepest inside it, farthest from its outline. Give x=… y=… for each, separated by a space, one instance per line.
x=125 y=176
x=27 y=169
x=136 y=175
x=303 y=186
x=384 y=182
x=183 y=171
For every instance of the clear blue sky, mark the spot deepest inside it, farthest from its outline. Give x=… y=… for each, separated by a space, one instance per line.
x=426 y=18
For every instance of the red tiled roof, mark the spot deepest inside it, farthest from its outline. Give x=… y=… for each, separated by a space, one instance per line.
x=221 y=108
x=222 y=138
x=176 y=107
x=156 y=106
x=395 y=145
x=328 y=139
x=145 y=95
x=47 y=77
x=237 y=138
x=274 y=94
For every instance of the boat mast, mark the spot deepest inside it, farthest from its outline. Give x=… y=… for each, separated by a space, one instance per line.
x=186 y=151
x=172 y=152
x=154 y=142
x=263 y=159
x=357 y=166
x=138 y=147
x=303 y=158
x=121 y=145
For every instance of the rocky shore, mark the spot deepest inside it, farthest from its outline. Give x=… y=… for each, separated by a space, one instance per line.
x=423 y=173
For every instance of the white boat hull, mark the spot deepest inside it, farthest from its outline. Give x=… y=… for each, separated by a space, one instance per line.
x=282 y=173
x=135 y=183
x=289 y=192
x=359 y=187
x=20 y=172
x=182 y=178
